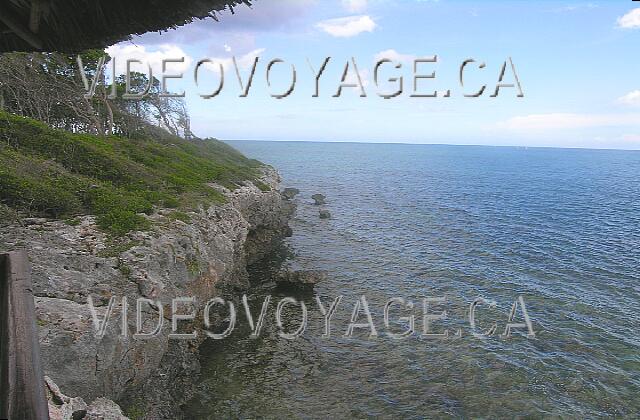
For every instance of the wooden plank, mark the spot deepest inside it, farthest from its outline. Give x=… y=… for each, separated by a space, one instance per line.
x=22 y=370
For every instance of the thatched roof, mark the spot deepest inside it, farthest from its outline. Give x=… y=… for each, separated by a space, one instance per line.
x=75 y=25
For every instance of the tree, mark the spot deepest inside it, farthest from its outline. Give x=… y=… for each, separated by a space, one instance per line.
x=49 y=87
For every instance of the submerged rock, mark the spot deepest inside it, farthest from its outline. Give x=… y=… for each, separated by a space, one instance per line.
x=301 y=277
x=325 y=214
x=290 y=193
x=319 y=199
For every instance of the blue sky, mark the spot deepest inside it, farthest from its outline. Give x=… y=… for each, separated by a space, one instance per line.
x=578 y=64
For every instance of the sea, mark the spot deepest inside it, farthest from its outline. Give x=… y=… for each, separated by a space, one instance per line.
x=421 y=232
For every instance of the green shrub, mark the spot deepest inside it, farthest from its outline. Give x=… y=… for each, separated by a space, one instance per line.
x=49 y=197
x=193 y=266
x=57 y=174
x=124 y=269
x=7 y=215
x=117 y=246
x=119 y=222
x=171 y=203
x=179 y=215
x=135 y=412
x=262 y=186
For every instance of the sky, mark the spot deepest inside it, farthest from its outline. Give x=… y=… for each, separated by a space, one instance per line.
x=578 y=65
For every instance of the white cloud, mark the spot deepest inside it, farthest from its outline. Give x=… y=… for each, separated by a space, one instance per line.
x=632 y=98
x=567 y=121
x=631 y=137
x=244 y=61
x=208 y=84
x=237 y=42
x=347 y=26
x=631 y=20
x=354 y=6
x=394 y=56
x=152 y=56
x=576 y=7
x=352 y=77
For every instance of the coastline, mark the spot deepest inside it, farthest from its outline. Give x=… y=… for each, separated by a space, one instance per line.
x=199 y=258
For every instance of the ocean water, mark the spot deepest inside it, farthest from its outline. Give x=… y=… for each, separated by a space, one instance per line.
x=561 y=228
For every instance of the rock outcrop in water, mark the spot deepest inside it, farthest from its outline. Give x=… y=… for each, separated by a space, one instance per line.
x=177 y=258
x=319 y=199
x=290 y=193
x=325 y=214
x=301 y=277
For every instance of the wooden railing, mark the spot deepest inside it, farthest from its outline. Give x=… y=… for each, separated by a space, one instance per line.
x=22 y=394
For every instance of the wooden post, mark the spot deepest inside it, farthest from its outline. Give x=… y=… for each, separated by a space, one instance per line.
x=22 y=395
x=4 y=336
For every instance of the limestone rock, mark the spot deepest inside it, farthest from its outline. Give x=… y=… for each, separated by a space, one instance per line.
x=104 y=409
x=71 y=264
x=319 y=199
x=63 y=407
x=290 y=193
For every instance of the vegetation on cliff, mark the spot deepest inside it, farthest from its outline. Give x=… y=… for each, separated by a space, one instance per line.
x=50 y=88
x=54 y=173
x=63 y=155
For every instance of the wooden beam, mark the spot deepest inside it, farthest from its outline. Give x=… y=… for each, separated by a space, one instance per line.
x=22 y=394
x=10 y=20
x=37 y=9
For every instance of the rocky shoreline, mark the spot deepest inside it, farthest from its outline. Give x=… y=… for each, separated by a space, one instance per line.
x=200 y=254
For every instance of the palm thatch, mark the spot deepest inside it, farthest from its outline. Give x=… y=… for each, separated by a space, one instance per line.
x=75 y=25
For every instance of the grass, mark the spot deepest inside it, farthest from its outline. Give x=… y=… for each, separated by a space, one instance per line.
x=7 y=215
x=135 y=412
x=52 y=173
x=193 y=266
x=72 y=221
x=179 y=215
x=124 y=269
x=115 y=247
x=262 y=186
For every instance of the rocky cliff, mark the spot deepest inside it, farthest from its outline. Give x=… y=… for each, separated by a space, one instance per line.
x=197 y=254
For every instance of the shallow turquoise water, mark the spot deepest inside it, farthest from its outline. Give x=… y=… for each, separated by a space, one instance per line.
x=559 y=227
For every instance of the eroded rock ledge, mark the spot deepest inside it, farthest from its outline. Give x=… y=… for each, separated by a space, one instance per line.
x=63 y=407
x=197 y=257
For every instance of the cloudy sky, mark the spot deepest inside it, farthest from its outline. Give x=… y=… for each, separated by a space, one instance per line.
x=578 y=64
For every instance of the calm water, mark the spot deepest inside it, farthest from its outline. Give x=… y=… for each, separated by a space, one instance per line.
x=559 y=227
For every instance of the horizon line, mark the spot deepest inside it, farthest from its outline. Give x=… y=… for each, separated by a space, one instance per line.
x=433 y=144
